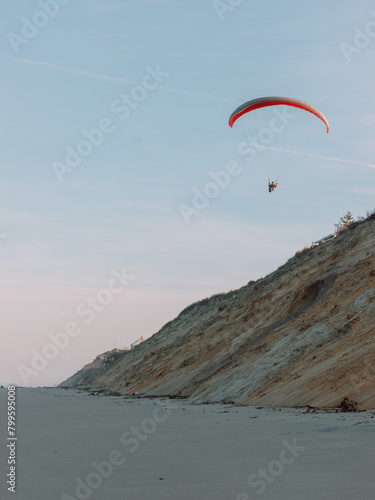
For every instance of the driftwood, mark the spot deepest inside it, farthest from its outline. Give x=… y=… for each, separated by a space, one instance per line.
x=346 y=405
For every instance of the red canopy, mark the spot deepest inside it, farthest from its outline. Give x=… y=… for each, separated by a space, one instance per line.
x=263 y=102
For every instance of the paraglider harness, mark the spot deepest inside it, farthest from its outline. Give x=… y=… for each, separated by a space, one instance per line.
x=271 y=186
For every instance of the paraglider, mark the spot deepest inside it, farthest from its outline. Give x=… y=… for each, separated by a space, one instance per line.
x=272 y=129
x=271 y=186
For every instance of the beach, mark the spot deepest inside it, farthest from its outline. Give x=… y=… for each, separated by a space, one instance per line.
x=73 y=445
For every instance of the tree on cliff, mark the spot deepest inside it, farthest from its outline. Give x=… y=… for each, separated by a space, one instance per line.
x=344 y=221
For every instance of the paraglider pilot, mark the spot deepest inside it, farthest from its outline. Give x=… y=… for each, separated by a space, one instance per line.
x=271 y=186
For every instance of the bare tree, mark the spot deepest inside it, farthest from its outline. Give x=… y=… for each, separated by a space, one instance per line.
x=344 y=222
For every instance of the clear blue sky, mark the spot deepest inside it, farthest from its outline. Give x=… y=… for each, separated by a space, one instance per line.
x=185 y=65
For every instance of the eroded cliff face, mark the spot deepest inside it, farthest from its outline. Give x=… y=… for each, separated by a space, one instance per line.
x=304 y=335
x=102 y=360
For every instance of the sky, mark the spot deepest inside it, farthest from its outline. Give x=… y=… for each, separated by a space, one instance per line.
x=125 y=196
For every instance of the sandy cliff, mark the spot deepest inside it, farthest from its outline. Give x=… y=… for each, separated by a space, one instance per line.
x=304 y=335
x=102 y=360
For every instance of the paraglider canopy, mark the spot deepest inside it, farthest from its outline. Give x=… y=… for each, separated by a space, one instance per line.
x=276 y=131
x=263 y=102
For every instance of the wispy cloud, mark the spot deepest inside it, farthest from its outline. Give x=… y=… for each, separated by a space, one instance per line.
x=341 y=160
x=115 y=79
x=89 y=74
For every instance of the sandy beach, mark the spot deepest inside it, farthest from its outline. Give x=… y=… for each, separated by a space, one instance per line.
x=71 y=445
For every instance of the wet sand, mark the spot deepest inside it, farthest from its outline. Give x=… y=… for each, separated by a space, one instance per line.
x=71 y=445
